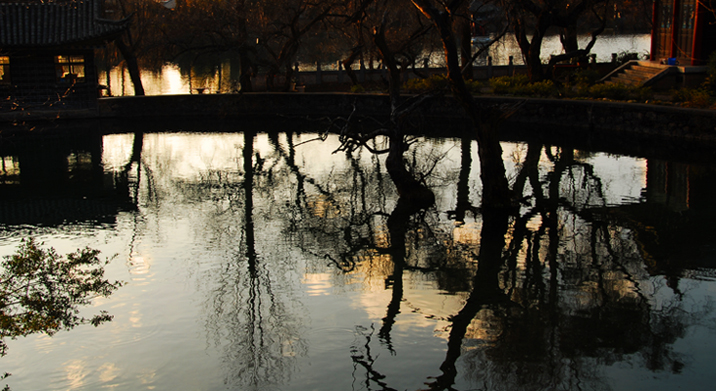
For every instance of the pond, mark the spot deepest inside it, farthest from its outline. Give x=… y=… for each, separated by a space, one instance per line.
x=262 y=260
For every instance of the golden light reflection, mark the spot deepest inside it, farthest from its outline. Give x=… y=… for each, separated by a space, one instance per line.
x=324 y=207
x=172 y=82
x=10 y=170
x=374 y=302
x=147 y=377
x=138 y=265
x=375 y=267
x=108 y=372
x=318 y=284
x=484 y=327
x=535 y=223
x=468 y=234
x=135 y=318
x=381 y=237
x=76 y=373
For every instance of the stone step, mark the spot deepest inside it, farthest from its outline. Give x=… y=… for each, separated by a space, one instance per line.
x=648 y=69
x=623 y=79
x=644 y=75
x=630 y=77
x=636 y=74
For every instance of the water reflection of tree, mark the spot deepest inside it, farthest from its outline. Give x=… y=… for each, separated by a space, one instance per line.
x=253 y=315
x=549 y=290
x=554 y=288
x=576 y=298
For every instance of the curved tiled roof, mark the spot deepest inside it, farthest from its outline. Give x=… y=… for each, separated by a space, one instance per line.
x=50 y=24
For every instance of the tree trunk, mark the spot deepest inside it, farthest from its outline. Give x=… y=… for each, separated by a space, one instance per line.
x=413 y=195
x=534 y=62
x=496 y=189
x=531 y=49
x=132 y=65
x=568 y=37
x=348 y=64
x=486 y=290
x=289 y=78
x=466 y=49
x=246 y=71
x=270 y=77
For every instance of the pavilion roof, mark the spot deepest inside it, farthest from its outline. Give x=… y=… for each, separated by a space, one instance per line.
x=53 y=24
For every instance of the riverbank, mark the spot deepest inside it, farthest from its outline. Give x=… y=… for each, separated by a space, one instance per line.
x=582 y=122
x=586 y=116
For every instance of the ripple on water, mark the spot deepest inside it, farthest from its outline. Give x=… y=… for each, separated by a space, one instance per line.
x=330 y=339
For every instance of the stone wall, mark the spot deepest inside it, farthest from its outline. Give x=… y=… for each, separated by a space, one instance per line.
x=557 y=116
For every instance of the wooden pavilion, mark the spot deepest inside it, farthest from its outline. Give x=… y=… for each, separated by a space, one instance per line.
x=47 y=53
x=683 y=31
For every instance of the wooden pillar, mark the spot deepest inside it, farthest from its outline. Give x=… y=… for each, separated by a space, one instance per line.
x=697 y=55
x=655 y=22
x=675 y=13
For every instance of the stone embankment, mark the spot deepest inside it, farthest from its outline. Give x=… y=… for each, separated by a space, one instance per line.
x=583 y=118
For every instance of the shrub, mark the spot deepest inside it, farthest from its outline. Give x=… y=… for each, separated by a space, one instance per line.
x=543 y=88
x=710 y=82
x=700 y=99
x=357 y=88
x=507 y=84
x=435 y=82
x=474 y=86
x=41 y=291
x=584 y=77
x=519 y=85
x=619 y=91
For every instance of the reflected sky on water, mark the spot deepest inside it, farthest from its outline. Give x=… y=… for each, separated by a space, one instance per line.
x=263 y=261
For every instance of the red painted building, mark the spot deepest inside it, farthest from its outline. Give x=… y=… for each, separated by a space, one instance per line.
x=684 y=30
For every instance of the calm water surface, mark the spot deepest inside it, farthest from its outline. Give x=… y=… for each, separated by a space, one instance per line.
x=263 y=261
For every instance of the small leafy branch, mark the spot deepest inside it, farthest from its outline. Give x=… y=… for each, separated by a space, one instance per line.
x=41 y=292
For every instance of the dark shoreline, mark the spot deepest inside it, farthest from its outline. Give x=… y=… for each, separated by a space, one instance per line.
x=618 y=127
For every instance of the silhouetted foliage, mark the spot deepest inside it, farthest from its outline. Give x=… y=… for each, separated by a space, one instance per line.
x=41 y=292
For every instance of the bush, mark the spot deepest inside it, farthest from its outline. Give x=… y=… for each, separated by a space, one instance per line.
x=474 y=86
x=699 y=99
x=507 y=84
x=619 y=91
x=584 y=77
x=357 y=88
x=519 y=85
x=435 y=82
x=41 y=292
x=543 y=88
x=710 y=82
